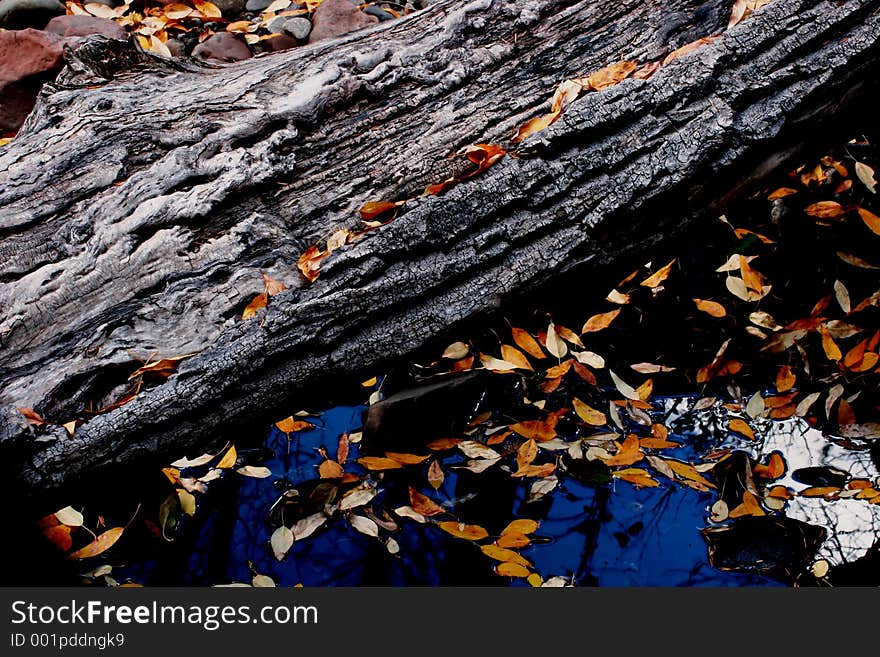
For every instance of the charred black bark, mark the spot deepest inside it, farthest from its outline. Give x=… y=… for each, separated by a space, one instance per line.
x=137 y=216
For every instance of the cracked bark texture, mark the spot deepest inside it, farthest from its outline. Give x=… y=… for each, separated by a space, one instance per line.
x=142 y=199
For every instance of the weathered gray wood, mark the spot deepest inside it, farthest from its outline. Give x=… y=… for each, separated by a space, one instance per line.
x=136 y=216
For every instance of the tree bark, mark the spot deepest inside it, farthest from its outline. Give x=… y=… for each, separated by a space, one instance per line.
x=143 y=199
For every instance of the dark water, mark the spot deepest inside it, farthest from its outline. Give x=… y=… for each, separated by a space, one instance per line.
x=607 y=535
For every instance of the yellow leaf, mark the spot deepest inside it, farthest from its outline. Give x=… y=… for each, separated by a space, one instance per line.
x=101 y=544
x=461 y=530
x=513 y=540
x=535 y=429
x=521 y=526
x=832 y=351
x=526 y=453
x=510 y=569
x=504 y=555
x=229 y=458
x=824 y=209
x=687 y=471
x=588 y=414
x=749 y=507
x=406 y=459
x=782 y=192
x=629 y=452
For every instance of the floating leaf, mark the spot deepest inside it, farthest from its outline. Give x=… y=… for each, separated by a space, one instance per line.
x=555 y=345
x=330 y=470
x=365 y=526
x=511 y=569
x=258 y=472
x=824 y=209
x=636 y=476
x=527 y=343
x=101 y=544
x=600 y=322
x=379 y=463
x=624 y=388
x=435 y=475
x=259 y=301
x=281 y=542
x=741 y=427
x=515 y=356
x=461 y=530
x=521 y=526
x=871 y=220
x=456 y=351
x=424 y=505
x=712 y=308
x=658 y=276
x=229 y=459
x=187 y=502
x=292 y=425
x=785 y=379
x=588 y=414
x=866 y=175
x=504 y=555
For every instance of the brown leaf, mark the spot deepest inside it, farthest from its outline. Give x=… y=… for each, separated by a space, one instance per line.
x=164 y=367
x=342 y=448
x=535 y=430
x=32 y=416
x=636 y=476
x=540 y=471
x=600 y=321
x=424 y=504
x=533 y=126
x=526 y=453
x=406 y=459
x=444 y=443
x=688 y=48
x=309 y=263
x=629 y=452
x=610 y=75
x=373 y=210
x=379 y=463
x=749 y=507
x=435 y=475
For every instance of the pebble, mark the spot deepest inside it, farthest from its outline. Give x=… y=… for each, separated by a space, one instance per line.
x=335 y=17
x=19 y=14
x=79 y=26
x=28 y=58
x=381 y=14
x=297 y=27
x=223 y=47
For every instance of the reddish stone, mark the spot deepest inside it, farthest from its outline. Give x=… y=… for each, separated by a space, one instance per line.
x=79 y=26
x=335 y=17
x=28 y=59
x=278 y=42
x=224 y=47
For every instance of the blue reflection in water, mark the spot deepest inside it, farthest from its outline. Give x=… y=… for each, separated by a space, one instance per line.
x=611 y=535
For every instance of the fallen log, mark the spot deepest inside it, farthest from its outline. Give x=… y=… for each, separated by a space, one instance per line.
x=143 y=200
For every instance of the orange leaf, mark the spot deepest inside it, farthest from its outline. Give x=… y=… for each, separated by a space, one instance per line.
x=749 y=507
x=229 y=459
x=406 y=459
x=688 y=48
x=444 y=443
x=460 y=530
x=330 y=470
x=59 y=536
x=540 y=471
x=512 y=540
x=832 y=351
x=819 y=491
x=504 y=554
x=741 y=427
x=712 y=308
x=824 y=209
x=309 y=262
x=535 y=430
x=375 y=209
x=871 y=220
x=251 y=309
x=32 y=416
x=533 y=126
x=521 y=526
x=379 y=463
x=774 y=469
x=101 y=544
x=628 y=453
x=689 y=472
x=782 y=192
x=610 y=75
x=600 y=321
x=636 y=476
x=515 y=356
x=527 y=343
x=290 y=425
x=658 y=276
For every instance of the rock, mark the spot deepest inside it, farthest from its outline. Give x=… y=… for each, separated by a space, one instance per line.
x=278 y=42
x=381 y=14
x=79 y=26
x=276 y=24
x=775 y=546
x=28 y=59
x=176 y=47
x=297 y=27
x=223 y=47
x=257 y=5
x=335 y=17
x=19 y=14
x=230 y=8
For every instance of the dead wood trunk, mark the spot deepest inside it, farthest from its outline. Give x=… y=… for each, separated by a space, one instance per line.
x=137 y=214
